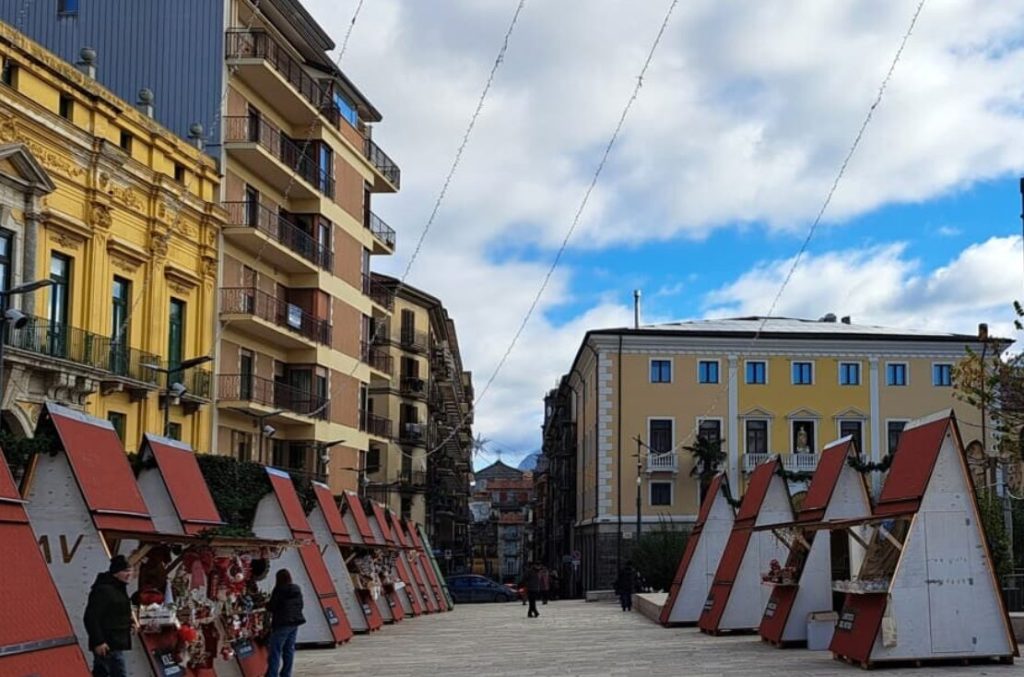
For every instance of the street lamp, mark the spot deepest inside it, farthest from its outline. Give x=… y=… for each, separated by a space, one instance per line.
x=322 y=455
x=13 y=316
x=175 y=389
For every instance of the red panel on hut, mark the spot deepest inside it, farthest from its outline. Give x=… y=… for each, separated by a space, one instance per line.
x=332 y=516
x=382 y=522
x=760 y=480
x=61 y=661
x=11 y=509
x=826 y=476
x=858 y=625
x=911 y=468
x=355 y=506
x=102 y=471
x=289 y=501
x=776 y=612
x=396 y=529
x=185 y=483
x=414 y=598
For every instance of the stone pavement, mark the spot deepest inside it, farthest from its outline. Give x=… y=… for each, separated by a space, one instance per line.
x=575 y=638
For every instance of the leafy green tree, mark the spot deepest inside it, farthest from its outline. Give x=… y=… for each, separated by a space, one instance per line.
x=656 y=555
x=708 y=457
x=991 y=508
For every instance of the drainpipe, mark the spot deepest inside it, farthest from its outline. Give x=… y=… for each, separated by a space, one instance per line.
x=618 y=472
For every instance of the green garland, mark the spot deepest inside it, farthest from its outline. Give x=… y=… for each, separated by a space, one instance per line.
x=304 y=488
x=794 y=475
x=727 y=492
x=20 y=450
x=862 y=466
x=237 y=487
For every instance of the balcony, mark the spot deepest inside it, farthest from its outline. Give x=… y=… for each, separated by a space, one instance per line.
x=411 y=433
x=372 y=424
x=383 y=234
x=290 y=167
x=377 y=358
x=413 y=478
x=262 y=231
x=263 y=395
x=751 y=461
x=378 y=293
x=413 y=340
x=413 y=386
x=791 y=462
x=388 y=176
x=667 y=462
x=273 y=319
x=263 y=64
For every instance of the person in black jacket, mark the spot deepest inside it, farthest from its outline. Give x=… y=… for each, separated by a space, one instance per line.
x=625 y=585
x=108 y=619
x=285 y=607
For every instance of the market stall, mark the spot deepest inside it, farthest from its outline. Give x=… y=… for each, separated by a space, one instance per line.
x=364 y=561
x=280 y=515
x=926 y=589
x=737 y=599
x=394 y=586
x=414 y=560
x=36 y=636
x=703 y=551
x=214 y=583
x=336 y=544
x=803 y=584
x=437 y=581
x=402 y=562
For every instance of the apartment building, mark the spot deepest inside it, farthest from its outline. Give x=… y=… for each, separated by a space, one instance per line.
x=425 y=410
x=252 y=82
x=116 y=217
x=761 y=388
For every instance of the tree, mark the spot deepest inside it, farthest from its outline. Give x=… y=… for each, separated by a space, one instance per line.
x=656 y=556
x=707 y=460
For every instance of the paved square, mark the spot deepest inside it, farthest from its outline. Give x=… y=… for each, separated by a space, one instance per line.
x=574 y=638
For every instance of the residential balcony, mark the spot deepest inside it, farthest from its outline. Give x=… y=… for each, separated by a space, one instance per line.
x=413 y=478
x=289 y=167
x=261 y=395
x=388 y=177
x=377 y=358
x=413 y=386
x=262 y=231
x=791 y=462
x=372 y=424
x=411 y=433
x=272 y=319
x=413 y=340
x=198 y=381
x=267 y=67
x=302 y=472
x=383 y=234
x=378 y=293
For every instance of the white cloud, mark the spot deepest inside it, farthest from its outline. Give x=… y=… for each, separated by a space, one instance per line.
x=948 y=231
x=886 y=286
x=743 y=119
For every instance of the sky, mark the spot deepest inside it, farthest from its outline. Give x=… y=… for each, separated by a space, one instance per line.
x=738 y=132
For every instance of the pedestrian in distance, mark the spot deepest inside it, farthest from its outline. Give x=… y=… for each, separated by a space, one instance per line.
x=108 y=619
x=531 y=581
x=626 y=585
x=545 y=584
x=285 y=607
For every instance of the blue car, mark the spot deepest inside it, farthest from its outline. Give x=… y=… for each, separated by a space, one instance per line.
x=472 y=588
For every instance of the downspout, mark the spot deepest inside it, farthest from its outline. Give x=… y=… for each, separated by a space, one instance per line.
x=618 y=472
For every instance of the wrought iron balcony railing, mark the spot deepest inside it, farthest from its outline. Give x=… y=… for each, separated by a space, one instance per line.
x=268 y=221
x=373 y=424
x=380 y=230
x=376 y=358
x=384 y=164
x=251 y=301
x=270 y=393
x=258 y=130
x=378 y=293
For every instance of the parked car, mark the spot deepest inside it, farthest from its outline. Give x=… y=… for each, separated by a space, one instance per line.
x=519 y=590
x=472 y=588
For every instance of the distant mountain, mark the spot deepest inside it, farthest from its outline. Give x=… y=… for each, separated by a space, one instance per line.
x=529 y=462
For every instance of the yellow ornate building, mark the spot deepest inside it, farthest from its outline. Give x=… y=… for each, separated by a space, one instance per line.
x=119 y=216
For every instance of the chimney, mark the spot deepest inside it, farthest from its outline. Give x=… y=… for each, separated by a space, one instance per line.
x=145 y=103
x=983 y=331
x=195 y=133
x=87 y=62
x=828 y=317
x=845 y=319
x=636 y=309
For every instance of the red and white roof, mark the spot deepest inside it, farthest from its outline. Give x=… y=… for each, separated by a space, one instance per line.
x=354 y=507
x=183 y=481
x=325 y=499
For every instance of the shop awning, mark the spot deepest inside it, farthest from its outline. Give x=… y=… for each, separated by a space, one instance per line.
x=912 y=464
x=184 y=481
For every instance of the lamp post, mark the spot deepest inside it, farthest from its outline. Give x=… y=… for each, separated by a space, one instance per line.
x=639 y=486
x=175 y=389
x=13 y=316
x=322 y=456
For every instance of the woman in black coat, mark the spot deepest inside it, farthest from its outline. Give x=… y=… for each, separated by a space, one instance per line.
x=285 y=607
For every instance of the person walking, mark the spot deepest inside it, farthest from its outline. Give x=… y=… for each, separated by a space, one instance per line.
x=108 y=619
x=545 y=584
x=625 y=586
x=531 y=581
x=285 y=607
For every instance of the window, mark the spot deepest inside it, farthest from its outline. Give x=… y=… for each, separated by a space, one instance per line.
x=347 y=110
x=661 y=371
x=9 y=74
x=757 y=437
x=406 y=508
x=241 y=444
x=252 y=206
x=254 y=123
x=60 y=274
x=803 y=373
x=326 y=160
x=707 y=371
x=942 y=374
x=323 y=240
x=660 y=434
x=6 y=257
x=65 y=107
x=119 y=421
x=67 y=7
x=661 y=493
x=373 y=459
x=802 y=437
x=757 y=373
x=849 y=373
x=119 y=334
x=174 y=431
x=854 y=429
x=175 y=333
x=896 y=373
x=894 y=428
x=246 y=370
x=179 y=173
x=126 y=142
x=710 y=429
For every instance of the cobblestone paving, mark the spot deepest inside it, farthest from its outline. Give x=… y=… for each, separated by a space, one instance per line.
x=575 y=638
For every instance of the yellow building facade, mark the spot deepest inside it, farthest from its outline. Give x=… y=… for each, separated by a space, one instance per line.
x=797 y=386
x=119 y=216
